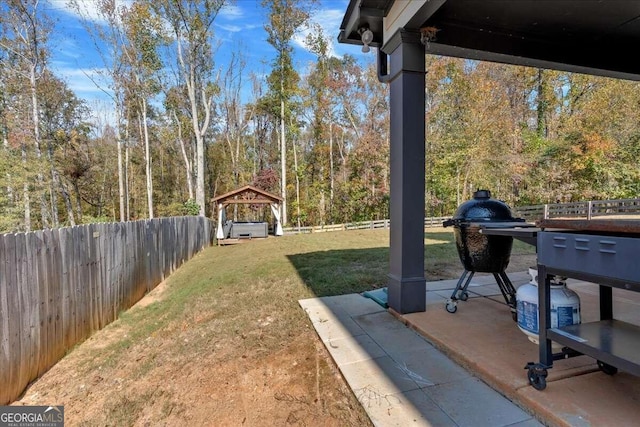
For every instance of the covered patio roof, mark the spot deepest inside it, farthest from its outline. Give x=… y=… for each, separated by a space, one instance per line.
x=598 y=37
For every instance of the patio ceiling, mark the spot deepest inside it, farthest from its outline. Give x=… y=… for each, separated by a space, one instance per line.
x=598 y=37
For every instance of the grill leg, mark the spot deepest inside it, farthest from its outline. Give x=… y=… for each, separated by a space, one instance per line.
x=460 y=288
x=508 y=292
x=460 y=292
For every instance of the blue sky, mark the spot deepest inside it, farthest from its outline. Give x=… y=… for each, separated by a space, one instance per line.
x=238 y=26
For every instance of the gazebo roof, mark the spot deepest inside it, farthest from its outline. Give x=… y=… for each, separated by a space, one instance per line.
x=248 y=195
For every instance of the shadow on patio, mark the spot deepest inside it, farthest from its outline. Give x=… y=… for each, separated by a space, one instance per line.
x=434 y=371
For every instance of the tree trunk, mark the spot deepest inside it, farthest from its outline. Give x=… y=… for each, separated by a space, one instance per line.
x=76 y=190
x=295 y=166
x=283 y=157
x=25 y=192
x=121 y=191
x=126 y=180
x=187 y=163
x=5 y=144
x=147 y=158
x=67 y=201
x=199 y=131
x=331 y=171
x=44 y=213
x=199 y=163
x=55 y=184
x=541 y=104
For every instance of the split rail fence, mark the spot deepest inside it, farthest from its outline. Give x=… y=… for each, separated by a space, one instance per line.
x=59 y=286
x=362 y=225
x=586 y=209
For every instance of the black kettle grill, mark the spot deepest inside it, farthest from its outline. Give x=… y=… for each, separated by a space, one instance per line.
x=480 y=252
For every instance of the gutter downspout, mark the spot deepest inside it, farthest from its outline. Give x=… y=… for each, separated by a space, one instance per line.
x=383 y=70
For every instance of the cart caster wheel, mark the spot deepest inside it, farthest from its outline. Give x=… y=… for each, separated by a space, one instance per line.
x=464 y=296
x=537 y=378
x=451 y=307
x=606 y=368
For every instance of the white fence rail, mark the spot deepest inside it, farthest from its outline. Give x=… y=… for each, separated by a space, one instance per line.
x=363 y=225
x=587 y=209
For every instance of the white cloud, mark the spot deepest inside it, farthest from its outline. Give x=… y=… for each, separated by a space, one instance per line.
x=68 y=48
x=329 y=20
x=230 y=28
x=84 y=82
x=231 y=12
x=85 y=10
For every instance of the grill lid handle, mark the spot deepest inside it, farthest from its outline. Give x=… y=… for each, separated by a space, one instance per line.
x=482 y=194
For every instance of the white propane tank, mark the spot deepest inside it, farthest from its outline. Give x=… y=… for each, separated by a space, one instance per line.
x=565 y=307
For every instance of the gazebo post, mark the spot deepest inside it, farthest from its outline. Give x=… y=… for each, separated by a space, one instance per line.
x=220 y=231
x=407 y=283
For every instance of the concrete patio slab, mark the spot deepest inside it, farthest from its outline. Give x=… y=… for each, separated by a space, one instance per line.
x=394 y=371
x=411 y=408
x=354 y=349
x=467 y=369
x=471 y=403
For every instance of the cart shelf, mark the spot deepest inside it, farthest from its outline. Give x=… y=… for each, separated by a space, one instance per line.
x=613 y=342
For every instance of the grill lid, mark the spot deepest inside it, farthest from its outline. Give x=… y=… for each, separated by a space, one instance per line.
x=482 y=208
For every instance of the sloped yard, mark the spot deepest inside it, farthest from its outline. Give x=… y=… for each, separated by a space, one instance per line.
x=223 y=341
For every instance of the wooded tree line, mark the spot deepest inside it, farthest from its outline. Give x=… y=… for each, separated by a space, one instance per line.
x=185 y=128
x=530 y=135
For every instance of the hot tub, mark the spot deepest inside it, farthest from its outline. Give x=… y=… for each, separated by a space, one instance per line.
x=248 y=230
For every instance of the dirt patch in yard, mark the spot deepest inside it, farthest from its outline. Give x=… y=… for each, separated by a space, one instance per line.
x=151 y=383
x=215 y=347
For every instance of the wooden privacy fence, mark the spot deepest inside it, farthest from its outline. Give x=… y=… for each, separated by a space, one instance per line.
x=59 y=286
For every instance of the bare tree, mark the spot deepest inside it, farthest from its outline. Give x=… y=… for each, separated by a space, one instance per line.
x=108 y=41
x=25 y=37
x=191 y=23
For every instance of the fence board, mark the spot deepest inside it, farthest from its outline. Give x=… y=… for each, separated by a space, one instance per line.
x=46 y=289
x=41 y=300
x=15 y=317
x=32 y=302
x=57 y=297
x=5 y=356
x=23 y=306
x=103 y=291
x=89 y=280
x=80 y=284
x=66 y=285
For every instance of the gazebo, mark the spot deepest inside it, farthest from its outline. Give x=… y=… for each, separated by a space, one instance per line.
x=587 y=36
x=247 y=195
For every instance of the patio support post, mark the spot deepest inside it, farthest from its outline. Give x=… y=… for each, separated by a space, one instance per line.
x=407 y=284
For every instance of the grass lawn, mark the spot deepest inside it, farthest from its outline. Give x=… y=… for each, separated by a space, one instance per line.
x=223 y=340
